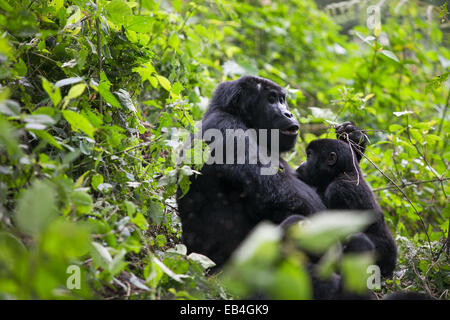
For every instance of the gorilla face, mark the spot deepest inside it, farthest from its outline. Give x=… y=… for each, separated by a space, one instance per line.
x=260 y=104
x=279 y=117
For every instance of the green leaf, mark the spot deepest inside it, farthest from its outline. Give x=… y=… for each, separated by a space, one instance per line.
x=21 y=68
x=44 y=135
x=118 y=263
x=291 y=281
x=402 y=113
x=416 y=135
x=82 y=201
x=100 y=255
x=140 y=221
x=130 y=207
x=322 y=230
x=117 y=10
x=79 y=122
x=164 y=82
x=36 y=208
x=395 y=127
x=125 y=99
x=390 y=55
x=96 y=180
x=153 y=81
x=170 y=273
x=180 y=249
x=76 y=16
x=177 y=88
x=10 y=108
x=8 y=140
x=140 y=24
x=160 y=240
x=202 y=260
x=66 y=238
x=145 y=70
x=50 y=111
x=52 y=91
x=76 y=91
x=68 y=81
x=174 y=41
x=5 y=6
x=354 y=270
x=260 y=244
x=38 y=121
x=156 y=212
x=153 y=273
x=432 y=138
x=103 y=89
x=11 y=249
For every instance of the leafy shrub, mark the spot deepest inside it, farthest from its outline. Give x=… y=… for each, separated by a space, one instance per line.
x=94 y=97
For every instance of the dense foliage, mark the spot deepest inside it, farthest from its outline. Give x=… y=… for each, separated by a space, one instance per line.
x=94 y=97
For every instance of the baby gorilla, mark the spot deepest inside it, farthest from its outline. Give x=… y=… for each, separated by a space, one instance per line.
x=333 y=168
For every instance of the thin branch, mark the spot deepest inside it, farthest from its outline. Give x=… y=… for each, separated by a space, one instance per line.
x=445 y=245
x=422 y=155
x=45 y=57
x=99 y=53
x=353 y=159
x=403 y=193
x=411 y=184
x=444 y=113
x=441 y=123
x=144 y=144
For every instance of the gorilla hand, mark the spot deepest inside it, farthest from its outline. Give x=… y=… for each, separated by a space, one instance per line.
x=357 y=137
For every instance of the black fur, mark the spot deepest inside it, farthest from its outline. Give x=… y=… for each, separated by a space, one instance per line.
x=227 y=200
x=333 y=168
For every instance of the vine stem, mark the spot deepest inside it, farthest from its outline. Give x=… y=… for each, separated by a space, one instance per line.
x=441 y=123
x=447 y=103
x=402 y=192
x=411 y=184
x=99 y=53
x=353 y=160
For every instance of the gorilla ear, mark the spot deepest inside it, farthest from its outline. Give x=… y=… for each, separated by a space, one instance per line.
x=226 y=94
x=332 y=158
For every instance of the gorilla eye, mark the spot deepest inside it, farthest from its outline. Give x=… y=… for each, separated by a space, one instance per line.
x=308 y=154
x=272 y=98
x=282 y=99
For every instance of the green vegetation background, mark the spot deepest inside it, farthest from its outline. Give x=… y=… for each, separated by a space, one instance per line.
x=94 y=97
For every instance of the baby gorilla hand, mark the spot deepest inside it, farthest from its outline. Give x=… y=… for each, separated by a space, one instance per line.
x=358 y=138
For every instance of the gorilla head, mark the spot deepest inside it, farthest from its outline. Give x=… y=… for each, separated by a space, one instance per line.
x=325 y=159
x=260 y=104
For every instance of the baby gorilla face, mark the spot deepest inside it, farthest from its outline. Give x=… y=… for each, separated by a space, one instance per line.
x=325 y=159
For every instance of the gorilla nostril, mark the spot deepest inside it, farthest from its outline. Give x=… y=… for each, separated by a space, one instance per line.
x=288 y=114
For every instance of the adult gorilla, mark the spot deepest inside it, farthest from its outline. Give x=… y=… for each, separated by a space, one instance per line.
x=227 y=200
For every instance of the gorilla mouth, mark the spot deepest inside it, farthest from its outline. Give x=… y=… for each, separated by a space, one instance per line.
x=290 y=131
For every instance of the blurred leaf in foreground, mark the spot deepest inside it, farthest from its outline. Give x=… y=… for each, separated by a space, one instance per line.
x=36 y=207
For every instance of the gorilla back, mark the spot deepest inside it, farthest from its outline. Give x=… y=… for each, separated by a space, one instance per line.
x=228 y=199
